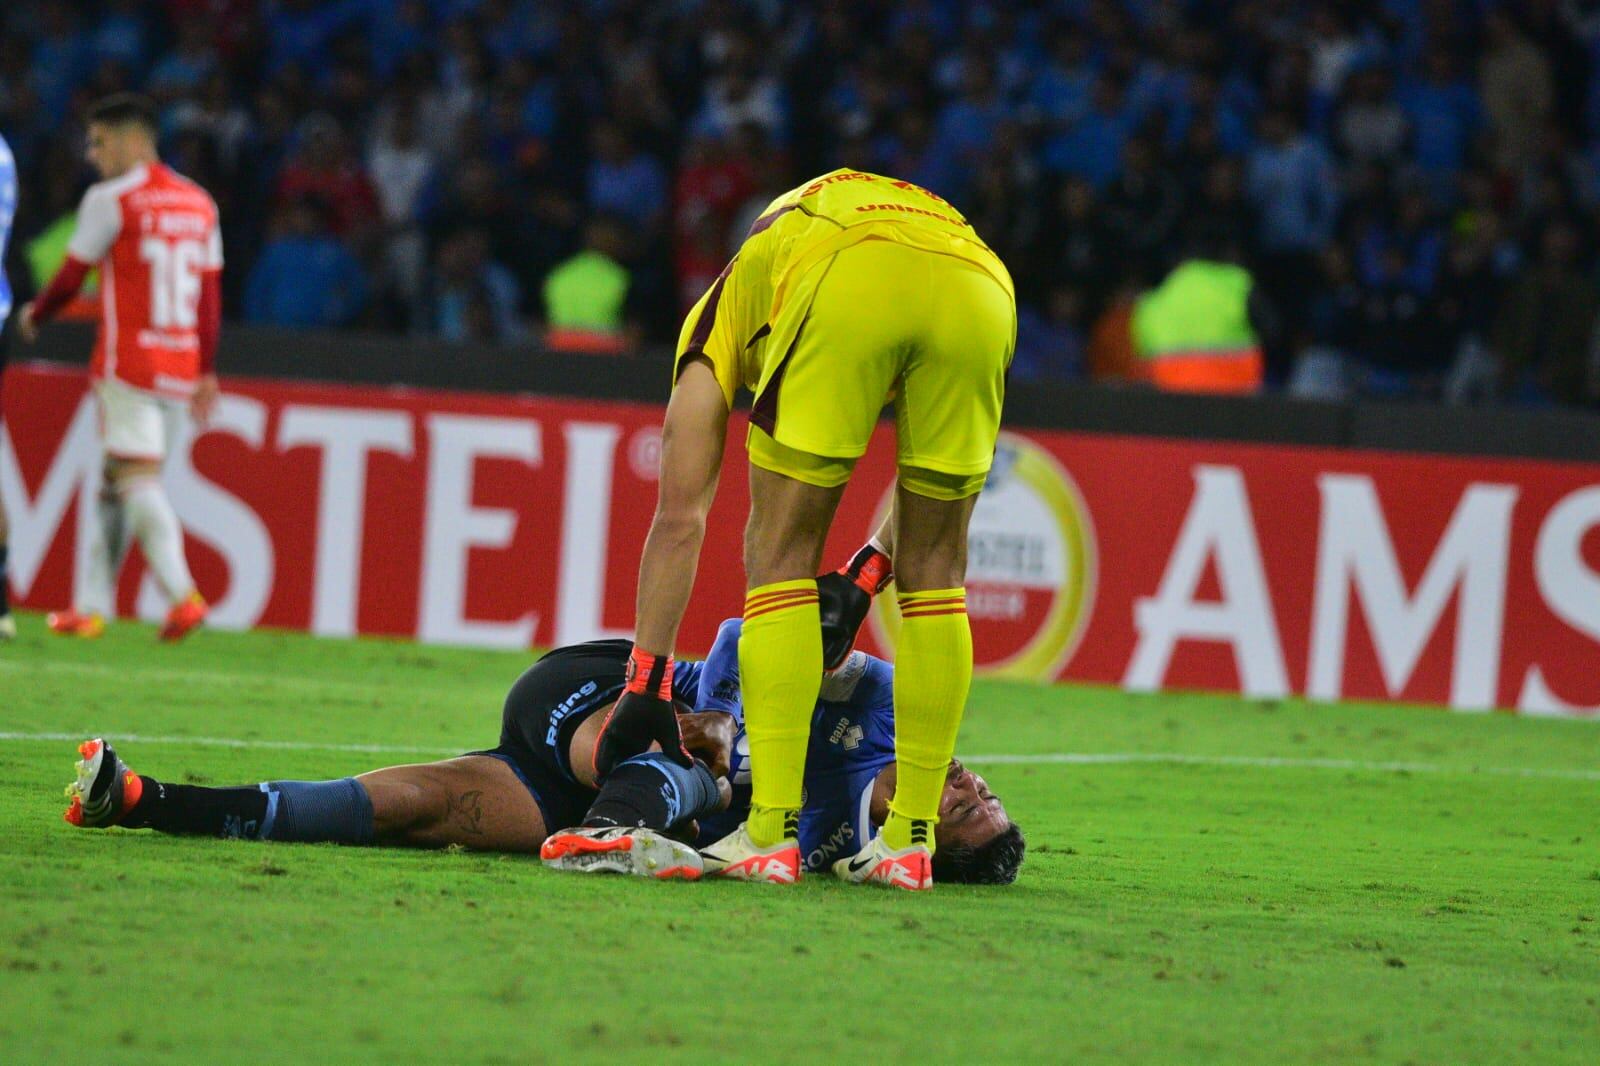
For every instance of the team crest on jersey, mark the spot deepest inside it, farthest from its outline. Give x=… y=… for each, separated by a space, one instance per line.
x=1032 y=566
x=847 y=733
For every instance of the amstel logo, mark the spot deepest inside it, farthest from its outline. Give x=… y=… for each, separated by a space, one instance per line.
x=1031 y=567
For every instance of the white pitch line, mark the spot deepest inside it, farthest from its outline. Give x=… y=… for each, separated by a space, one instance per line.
x=1060 y=758
x=238 y=742
x=213 y=677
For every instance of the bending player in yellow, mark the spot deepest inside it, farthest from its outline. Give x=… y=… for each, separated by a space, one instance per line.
x=850 y=291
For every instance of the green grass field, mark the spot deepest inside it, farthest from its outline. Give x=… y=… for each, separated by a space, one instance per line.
x=1236 y=882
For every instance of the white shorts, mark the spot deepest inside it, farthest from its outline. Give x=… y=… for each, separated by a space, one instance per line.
x=135 y=424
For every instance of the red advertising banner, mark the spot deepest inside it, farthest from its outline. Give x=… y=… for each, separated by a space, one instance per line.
x=516 y=521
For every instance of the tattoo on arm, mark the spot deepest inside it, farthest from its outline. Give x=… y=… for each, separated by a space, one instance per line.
x=466 y=811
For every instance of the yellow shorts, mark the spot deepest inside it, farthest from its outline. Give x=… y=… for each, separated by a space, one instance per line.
x=931 y=333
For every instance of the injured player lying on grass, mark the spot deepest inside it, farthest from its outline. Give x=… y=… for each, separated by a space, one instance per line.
x=516 y=796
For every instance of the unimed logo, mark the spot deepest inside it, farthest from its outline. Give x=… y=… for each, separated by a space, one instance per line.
x=1031 y=567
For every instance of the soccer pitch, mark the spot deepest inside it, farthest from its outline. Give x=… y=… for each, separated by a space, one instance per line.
x=1208 y=879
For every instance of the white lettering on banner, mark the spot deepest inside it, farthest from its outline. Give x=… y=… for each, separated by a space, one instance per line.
x=221 y=519
x=452 y=525
x=35 y=520
x=1354 y=549
x=585 y=533
x=346 y=436
x=1569 y=588
x=1220 y=527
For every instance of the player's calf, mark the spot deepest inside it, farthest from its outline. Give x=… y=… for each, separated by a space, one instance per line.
x=106 y=793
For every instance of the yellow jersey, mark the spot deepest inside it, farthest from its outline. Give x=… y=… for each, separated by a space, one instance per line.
x=755 y=307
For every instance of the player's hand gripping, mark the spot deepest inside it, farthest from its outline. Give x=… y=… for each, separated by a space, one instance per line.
x=709 y=735
x=644 y=715
x=844 y=597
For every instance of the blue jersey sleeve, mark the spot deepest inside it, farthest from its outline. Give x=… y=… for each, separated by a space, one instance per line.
x=686 y=681
x=719 y=679
x=8 y=211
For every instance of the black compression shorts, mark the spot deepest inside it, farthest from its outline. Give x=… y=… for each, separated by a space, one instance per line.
x=548 y=703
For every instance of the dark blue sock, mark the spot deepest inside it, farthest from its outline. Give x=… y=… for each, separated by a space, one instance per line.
x=653 y=792
x=314 y=811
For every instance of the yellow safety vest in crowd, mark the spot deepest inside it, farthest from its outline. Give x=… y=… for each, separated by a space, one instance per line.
x=1193 y=330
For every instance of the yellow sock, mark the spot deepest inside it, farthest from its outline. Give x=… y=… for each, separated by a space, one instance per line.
x=780 y=671
x=932 y=672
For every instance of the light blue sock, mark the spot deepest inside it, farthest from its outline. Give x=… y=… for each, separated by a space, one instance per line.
x=653 y=791
x=315 y=811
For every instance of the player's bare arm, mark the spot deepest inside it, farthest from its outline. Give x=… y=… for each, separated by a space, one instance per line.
x=27 y=328
x=207 y=391
x=692 y=440
x=693 y=437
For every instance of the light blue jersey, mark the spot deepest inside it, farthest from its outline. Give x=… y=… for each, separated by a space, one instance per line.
x=852 y=740
x=8 y=214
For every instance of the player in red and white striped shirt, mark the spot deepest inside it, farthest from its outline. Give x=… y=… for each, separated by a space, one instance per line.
x=153 y=233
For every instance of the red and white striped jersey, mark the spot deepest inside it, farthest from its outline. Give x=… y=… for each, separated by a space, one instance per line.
x=153 y=233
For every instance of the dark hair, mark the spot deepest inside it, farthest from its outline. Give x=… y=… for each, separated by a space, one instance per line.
x=993 y=863
x=125 y=109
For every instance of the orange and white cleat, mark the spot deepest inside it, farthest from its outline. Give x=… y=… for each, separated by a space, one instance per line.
x=71 y=623
x=618 y=850
x=185 y=617
x=104 y=790
x=878 y=864
x=737 y=858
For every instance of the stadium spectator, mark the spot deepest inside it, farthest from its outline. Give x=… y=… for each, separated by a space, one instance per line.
x=1142 y=206
x=1077 y=243
x=402 y=168
x=474 y=297
x=1051 y=346
x=624 y=180
x=183 y=69
x=1518 y=92
x=1446 y=114
x=1091 y=147
x=1404 y=250
x=1290 y=182
x=1328 y=368
x=60 y=57
x=1371 y=127
x=1194 y=331
x=586 y=297
x=1546 y=324
x=322 y=168
x=122 y=34
x=304 y=275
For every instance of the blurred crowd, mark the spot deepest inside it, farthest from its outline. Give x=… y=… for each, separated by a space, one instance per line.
x=1412 y=185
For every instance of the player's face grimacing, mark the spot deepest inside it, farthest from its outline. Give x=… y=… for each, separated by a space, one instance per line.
x=969 y=814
